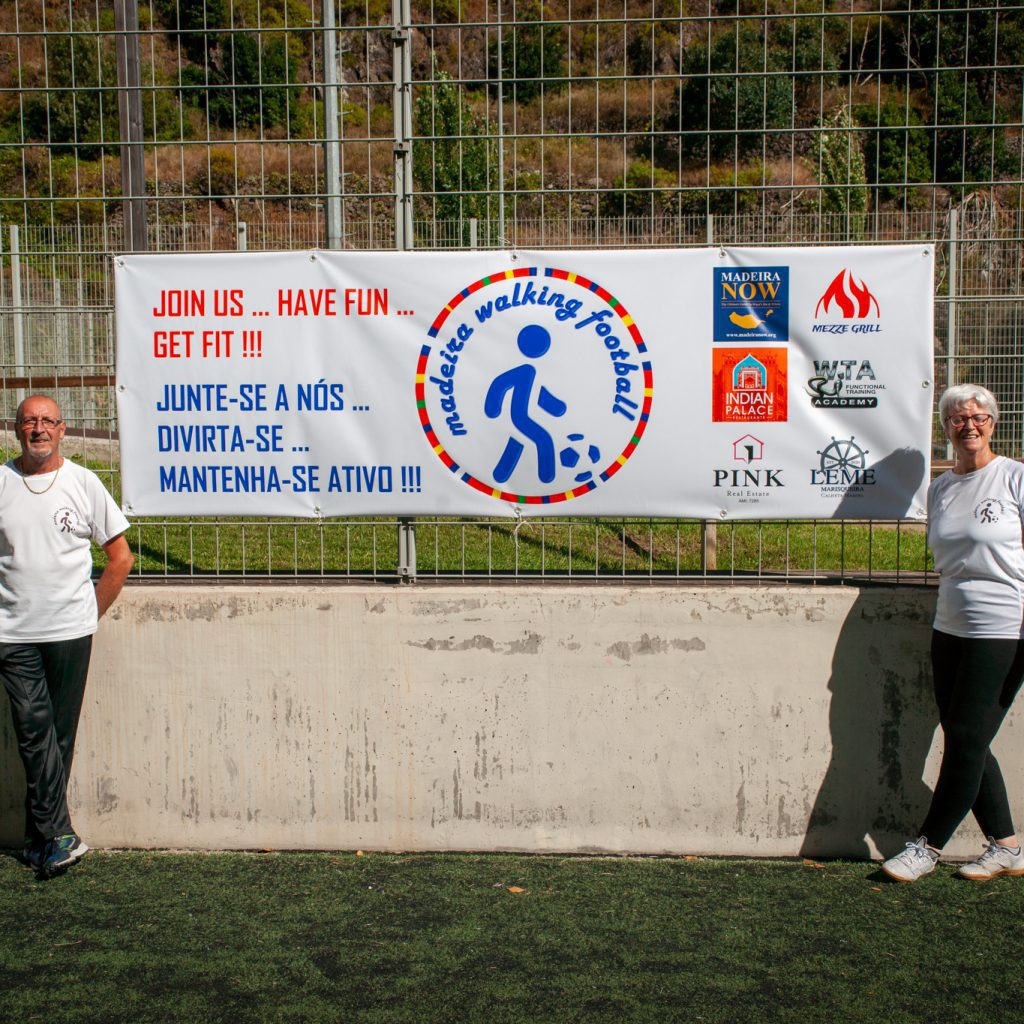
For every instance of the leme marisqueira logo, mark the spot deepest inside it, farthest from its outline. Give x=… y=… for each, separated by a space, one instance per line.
x=843 y=469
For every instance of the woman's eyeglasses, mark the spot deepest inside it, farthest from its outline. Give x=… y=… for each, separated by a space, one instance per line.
x=978 y=419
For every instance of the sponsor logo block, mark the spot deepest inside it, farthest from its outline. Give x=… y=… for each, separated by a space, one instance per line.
x=748 y=484
x=842 y=469
x=751 y=303
x=846 y=299
x=749 y=385
x=843 y=384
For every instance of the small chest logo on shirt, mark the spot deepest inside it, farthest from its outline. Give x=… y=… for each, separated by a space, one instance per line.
x=66 y=520
x=991 y=510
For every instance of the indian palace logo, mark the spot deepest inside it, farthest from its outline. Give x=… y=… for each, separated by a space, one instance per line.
x=748 y=385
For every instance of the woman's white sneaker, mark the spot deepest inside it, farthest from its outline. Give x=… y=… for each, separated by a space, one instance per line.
x=915 y=860
x=996 y=860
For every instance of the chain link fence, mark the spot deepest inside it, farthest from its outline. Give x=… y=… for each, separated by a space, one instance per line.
x=208 y=125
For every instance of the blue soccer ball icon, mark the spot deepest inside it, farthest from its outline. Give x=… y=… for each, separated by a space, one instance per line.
x=578 y=454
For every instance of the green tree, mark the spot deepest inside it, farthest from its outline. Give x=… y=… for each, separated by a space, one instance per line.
x=248 y=81
x=643 y=190
x=74 y=112
x=533 y=55
x=839 y=152
x=452 y=156
x=897 y=150
x=729 y=95
x=197 y=23
x=971 y=62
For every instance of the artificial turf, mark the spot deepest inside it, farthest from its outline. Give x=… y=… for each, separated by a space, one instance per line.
x=322 y=937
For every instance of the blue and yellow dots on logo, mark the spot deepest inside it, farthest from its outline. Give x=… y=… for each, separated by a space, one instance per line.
x=513 y=394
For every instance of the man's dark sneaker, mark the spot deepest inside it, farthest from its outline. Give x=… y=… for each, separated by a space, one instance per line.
x=61 y=852
x=32 y=853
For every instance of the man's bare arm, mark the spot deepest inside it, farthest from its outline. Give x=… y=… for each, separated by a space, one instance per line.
x=119 y=563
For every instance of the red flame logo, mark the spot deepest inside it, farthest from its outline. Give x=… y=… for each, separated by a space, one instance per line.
x=850 y=295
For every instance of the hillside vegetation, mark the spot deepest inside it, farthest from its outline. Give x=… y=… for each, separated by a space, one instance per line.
x=617 y=110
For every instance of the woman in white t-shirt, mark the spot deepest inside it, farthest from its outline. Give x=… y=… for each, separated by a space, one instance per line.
x=975 y=522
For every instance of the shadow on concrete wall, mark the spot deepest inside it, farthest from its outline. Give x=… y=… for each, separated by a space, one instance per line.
x=882 y=721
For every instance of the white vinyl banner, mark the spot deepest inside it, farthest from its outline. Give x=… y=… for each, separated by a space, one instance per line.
x=706 y=383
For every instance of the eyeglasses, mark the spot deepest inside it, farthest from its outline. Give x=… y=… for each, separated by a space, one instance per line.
x=39 y=421
x=978 y=419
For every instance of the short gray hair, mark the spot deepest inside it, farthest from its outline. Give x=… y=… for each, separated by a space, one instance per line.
x=960 y=394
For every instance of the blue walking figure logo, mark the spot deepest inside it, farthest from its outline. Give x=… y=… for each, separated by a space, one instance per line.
x=533 y=342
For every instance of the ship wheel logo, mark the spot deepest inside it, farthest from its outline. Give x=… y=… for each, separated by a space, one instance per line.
x=843 y=454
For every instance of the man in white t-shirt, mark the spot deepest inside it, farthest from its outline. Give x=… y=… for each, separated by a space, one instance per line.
x=51 y=510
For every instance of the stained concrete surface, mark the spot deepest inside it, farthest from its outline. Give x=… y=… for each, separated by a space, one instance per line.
x=737 y=720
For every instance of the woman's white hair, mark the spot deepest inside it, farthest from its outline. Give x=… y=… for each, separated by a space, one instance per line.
x=960 y=394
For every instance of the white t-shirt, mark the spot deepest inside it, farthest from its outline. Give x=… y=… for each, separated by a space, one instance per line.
x=974 y=531
x=46 y=590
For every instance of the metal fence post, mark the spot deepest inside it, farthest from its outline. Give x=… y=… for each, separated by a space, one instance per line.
x=19 y=316
x=129 y=116
x=401 y=38
x=709 y=528
x=406 y=549
x=954 y=255
x=332 y=147
x=502 y=241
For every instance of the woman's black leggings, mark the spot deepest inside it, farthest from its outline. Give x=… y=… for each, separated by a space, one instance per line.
x=976 y=679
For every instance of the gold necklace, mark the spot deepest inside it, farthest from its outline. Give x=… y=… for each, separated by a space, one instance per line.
x=24 y=479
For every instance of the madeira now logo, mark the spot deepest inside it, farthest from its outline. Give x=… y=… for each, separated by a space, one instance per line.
x=751 y=303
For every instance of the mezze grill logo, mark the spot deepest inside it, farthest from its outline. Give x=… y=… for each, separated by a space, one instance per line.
x=751 y=303
x=843 y=300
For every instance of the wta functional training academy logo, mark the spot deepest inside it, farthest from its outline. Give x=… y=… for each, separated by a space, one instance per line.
x=536 y=386
x=844 y=384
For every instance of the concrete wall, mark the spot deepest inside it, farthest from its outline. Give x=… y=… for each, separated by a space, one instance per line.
x=648 y=719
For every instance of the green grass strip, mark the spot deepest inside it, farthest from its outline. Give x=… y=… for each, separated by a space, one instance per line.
x=142 y=936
